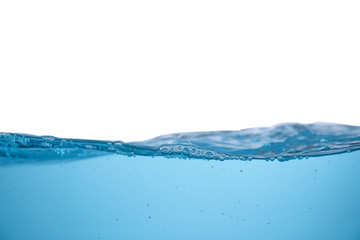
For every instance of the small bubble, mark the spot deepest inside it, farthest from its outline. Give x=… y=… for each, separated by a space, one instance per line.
x=147 y=204
x=117 y=219
x=268 y=223
x=241 y=170
x=315 y=170
x=149 y=217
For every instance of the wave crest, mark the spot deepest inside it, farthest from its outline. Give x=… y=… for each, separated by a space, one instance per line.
x=282 y=142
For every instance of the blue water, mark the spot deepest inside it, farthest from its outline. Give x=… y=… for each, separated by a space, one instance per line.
x=290 y=181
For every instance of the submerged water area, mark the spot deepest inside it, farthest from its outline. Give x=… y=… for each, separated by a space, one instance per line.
x=120 y=197
x=85 y=189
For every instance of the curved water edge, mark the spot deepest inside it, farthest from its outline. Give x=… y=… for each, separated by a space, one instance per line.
x=280 y=142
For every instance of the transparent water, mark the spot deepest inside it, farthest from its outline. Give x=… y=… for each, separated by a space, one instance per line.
x=75 y=191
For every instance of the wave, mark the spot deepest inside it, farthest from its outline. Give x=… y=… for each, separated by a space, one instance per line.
x=281 y=142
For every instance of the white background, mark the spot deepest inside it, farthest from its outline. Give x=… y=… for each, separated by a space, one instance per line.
x=132 y=70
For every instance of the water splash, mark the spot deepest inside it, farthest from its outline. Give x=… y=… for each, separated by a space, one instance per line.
x=282 y=142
